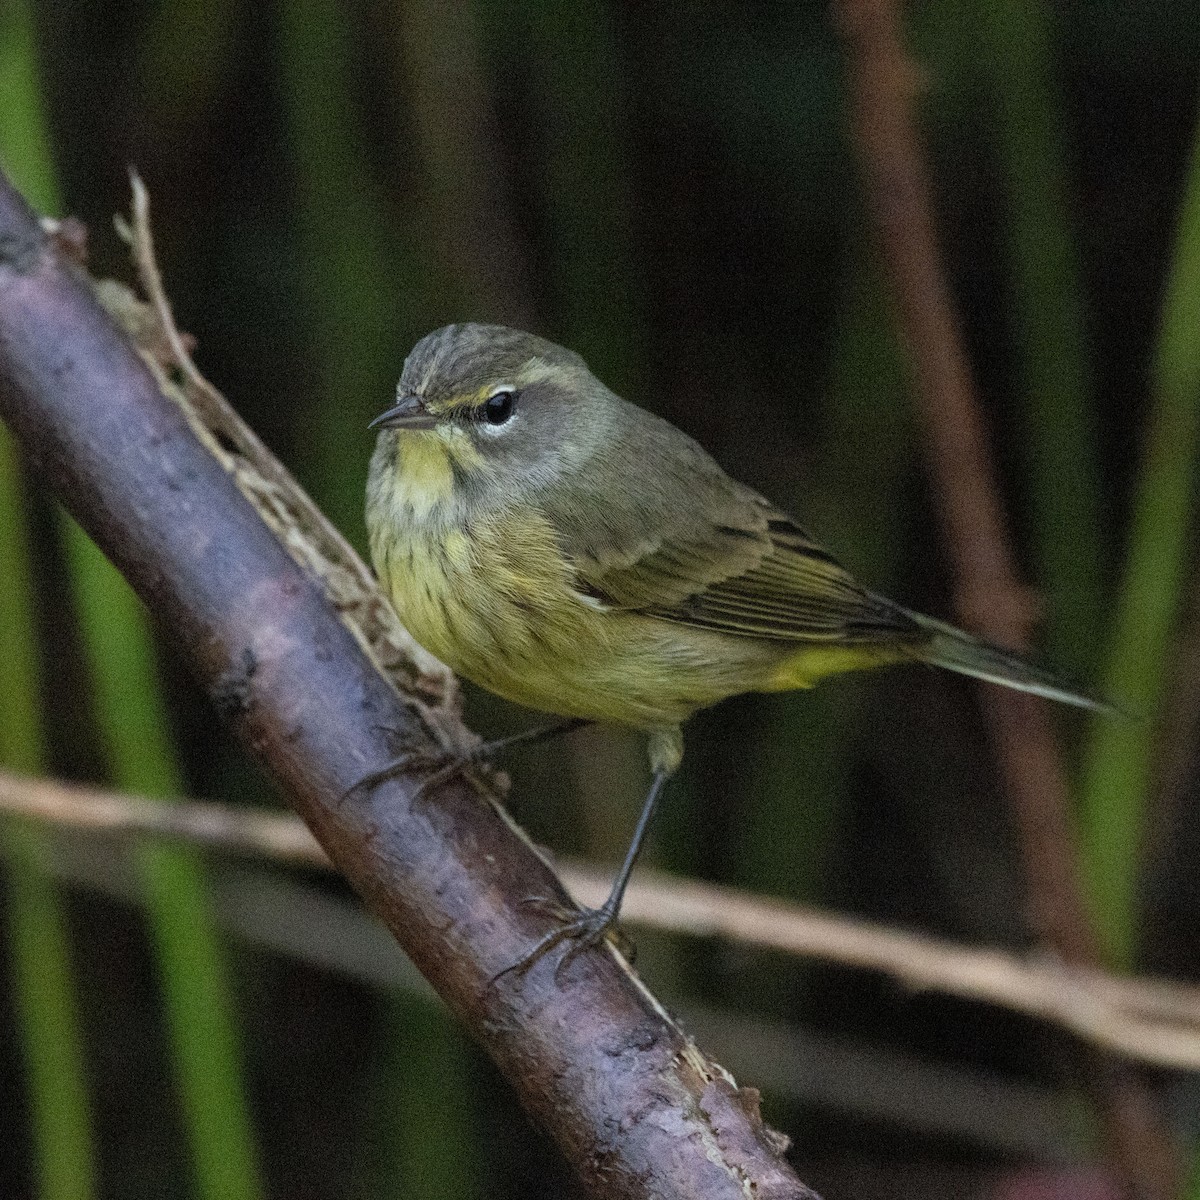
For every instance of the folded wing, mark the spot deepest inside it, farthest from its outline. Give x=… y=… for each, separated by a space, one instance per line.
x=728 y=560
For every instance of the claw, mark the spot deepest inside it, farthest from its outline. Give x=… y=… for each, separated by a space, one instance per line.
x=549 y=907
x=444 y=766
x=441 y=767
x=584 y=929
x=591 y=926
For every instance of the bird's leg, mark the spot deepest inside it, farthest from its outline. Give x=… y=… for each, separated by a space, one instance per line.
x=446 y=766
x=588 y=927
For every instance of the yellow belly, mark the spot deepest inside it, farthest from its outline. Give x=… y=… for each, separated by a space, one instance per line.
x=495 y=602
x=497 y=606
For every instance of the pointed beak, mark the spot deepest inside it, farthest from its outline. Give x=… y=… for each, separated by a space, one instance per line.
x=407 y=413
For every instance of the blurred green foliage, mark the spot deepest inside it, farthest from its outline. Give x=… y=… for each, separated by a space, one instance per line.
x=44 y=997
x=140 y=758
x=1119 y=771
x=45 y=1001
x=670 y=190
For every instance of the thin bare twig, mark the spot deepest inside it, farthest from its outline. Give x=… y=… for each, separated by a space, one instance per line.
x=294 y=918
x=279 y=836
x=315 y=543
x=990 y=599
x=1152 y=1021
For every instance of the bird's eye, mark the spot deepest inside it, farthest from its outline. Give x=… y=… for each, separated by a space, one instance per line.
x=499 y=407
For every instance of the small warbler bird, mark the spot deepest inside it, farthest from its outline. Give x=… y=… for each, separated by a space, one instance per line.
x=570 y=551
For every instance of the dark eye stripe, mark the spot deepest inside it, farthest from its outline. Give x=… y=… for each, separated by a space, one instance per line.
x=498 y=408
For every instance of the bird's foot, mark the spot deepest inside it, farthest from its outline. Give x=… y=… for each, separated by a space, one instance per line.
x=583 y=928
x=444 y=765
x=440 y=765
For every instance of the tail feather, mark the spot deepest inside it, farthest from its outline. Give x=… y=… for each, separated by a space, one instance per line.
x=958 y=651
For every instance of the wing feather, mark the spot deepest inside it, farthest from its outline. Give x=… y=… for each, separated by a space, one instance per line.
x=691 y=545
x=763 y=577
x=795 y=591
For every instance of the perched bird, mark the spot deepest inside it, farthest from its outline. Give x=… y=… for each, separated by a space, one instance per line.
x=574 y=553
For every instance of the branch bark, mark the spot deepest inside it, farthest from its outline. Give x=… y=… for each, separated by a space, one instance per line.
x=636 y=1108
x=883 y=83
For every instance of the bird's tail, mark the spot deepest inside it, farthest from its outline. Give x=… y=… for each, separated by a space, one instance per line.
x=958 y=651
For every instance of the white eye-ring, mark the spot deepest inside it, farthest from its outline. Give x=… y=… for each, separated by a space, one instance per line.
x=499 y=407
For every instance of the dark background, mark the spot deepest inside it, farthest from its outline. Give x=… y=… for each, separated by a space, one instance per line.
x=671 y=190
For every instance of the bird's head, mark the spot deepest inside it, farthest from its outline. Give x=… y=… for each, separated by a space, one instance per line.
x=495 y=400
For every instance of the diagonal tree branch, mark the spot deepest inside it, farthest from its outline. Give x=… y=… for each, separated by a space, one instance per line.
x=636 y=1108
x=883 y=83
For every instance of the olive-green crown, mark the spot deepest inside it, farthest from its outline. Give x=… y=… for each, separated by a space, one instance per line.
x=462 y=360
